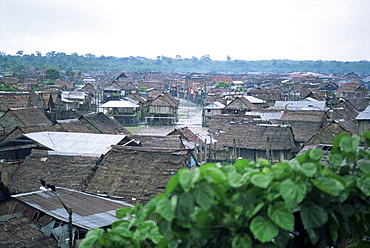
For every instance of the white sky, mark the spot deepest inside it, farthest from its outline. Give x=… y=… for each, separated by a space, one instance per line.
x=242 y=29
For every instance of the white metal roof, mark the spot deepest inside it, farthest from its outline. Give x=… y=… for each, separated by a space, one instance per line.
x=364 y=115
x=254 y=100
x=119 y=104
x=304 y=105
x=76 y=144
x=266 y=116
x=215 y=105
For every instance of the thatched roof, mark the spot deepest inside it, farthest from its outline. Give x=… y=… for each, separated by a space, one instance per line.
x=27 y=116
x=137 y=174
x=220 y=122
x=304 y=123
x=256 y=137
x=187 y=134
x=326 y=134
x=23 y=130
x=173 y=141
x=16 y=231
x=72 y=172
x=100 y=123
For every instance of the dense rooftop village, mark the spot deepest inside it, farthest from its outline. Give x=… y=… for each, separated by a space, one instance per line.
x=72 y=135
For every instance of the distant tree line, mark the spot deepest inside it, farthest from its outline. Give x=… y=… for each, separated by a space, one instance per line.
x=90 y=62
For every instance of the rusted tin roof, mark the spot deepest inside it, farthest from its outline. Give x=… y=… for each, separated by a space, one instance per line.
x=89 y=211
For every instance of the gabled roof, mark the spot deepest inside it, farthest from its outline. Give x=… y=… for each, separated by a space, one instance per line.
x=129 y=86
x=73 y=172
x=240 y=103
x=89 y=211
x=73 y=144
x=364 y=115
x=187 y=134
x=137 y=173
x=100 y=123
x=256 y=137
x=28 y=116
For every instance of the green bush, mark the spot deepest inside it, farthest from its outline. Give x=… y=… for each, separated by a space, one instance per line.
x=313 y=201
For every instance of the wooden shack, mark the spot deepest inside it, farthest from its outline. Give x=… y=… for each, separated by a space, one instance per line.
x=162 y=110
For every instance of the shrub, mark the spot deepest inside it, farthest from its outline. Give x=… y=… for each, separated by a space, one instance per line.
x=313 y=201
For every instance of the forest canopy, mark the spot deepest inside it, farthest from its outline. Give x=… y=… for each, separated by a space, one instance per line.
x=90 y=62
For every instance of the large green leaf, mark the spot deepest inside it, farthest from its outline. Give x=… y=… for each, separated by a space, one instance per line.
x=213 y=175
x=315 y=154
x=291 y=192
x=313 y=215
x=172 y=184
x=235 y=179
x=281 y=215
x=91 y=238
x=185 y=207
x=309 y=169
x=241 y=241
x=364 y=185
x=204 y=196
x=335 y=159
x=330 y=186
x=185 y=179
x=263 y=229
x=261 y=180
x=365 y=167
x=349 y=144
x=165 y=208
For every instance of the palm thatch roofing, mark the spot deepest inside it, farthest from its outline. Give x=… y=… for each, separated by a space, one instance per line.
x=100 y=123
x=304 y=123
x=136 y=173
x=256 y=137
x=220 y=122
x=173 y=141
x=327 y=133
x=187 y=134
x=31 y=129
x=72 y=172
x=16 y=231
x=27 y=117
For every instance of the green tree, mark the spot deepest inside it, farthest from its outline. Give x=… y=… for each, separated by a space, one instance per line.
x=52 y=74
x=142 y=89
x=313 y=201
x=223 y=85
x=70 y=73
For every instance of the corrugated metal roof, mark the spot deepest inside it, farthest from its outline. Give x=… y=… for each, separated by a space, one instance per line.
x=254 y=100
x=119 y=104
x=215 y=105
x=305 y=105
x=89 y=211
x=364 y=115
x=266 y=116
x=76 y=144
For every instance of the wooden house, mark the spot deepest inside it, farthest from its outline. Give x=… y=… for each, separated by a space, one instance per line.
x=239 y=105
x=138 y=173
x=112 y=92
x=23 y=117
x=128 y=88
x=363 y=120
x=162 y=110
x=345 y=113
x=253 y=141
x=210 y=111
x=304 y=124
x=124 y=111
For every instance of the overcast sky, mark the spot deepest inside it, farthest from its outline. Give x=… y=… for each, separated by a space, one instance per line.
x=241 y=29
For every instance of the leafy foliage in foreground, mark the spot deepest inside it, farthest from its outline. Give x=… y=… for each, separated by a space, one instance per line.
x=301 y=203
